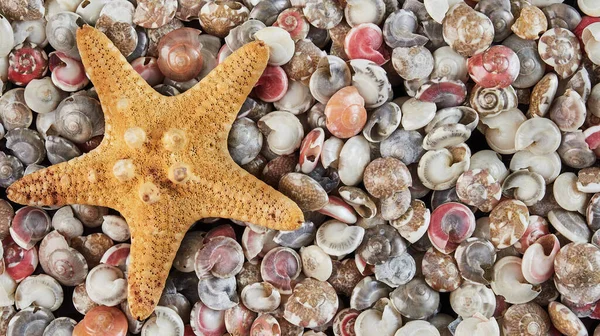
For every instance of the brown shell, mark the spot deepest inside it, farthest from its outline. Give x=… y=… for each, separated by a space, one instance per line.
x=413 y=224
x=277 y=168
x=467 y=31
x=6 y=215
x=565 y=320
x=530 y=24
x=526 y=319
x=384 y=177
x=22 y=10
x=92 y=247
x=344 y=277
x=440 y=271
x=312 y=304
x=478 y=187
x=154 y=13
x=590 y=175
x=124 y=36
x=577 y=272
x=304 y=62
x=508 y=222
x=304 y=190
x=219 y=17
x=154 y=35
x=249 y=274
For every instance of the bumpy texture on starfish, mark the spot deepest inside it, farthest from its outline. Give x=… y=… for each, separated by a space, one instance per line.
x=163 y=162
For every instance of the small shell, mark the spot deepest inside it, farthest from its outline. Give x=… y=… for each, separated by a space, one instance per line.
x=568 y=111
x=117 y=255
x=206 y=321
x=538 y=227
x=312 y=304
x=532 y=66
x=297 y=99
x=440 y=271
x=316 y=263
x=591 y=41
x=567 y=195
x=353 y=159
x=302 y=236
x=546 y=165
x=337 y=238
x=471 y=298
x=417 y=114
x=92 y=247
x=490 y=161
x=379 y=244
x=29 y=321
x=60 y=31
x=29 y=226
x=365 y=41
x=294 y=22
x=42 y=96
x=531 y=23
x=478 y=188
x=385 y=176
x=524 y=185
x=217 y=293
x=475 y=258
x=560 y=49
x=527 y=318
x=530 y=133
x=589 y=7
x=403 y=145
x=371 y=82
x=467 y=31
x=367 y=292
x=565 y=320
x=238 y=319
x=538 y=260
x=331 y=75
x=40 y=291
x=414 y=328
x=543 y=94
x=81 y=300
x=8 y=41
x=180 y=58
x=413 y=224
x=91 y=216
x=11 y=169
x=413 y=63
x=60 y=261
x=449 y=64
x=440 y=169
x=243 y=34
x=261 y=297
x=451 y=224
x=79 y=118
x=415 y=300
x=508 y=222
x=442 y=91
x=218 y=18
x=385 y=321
x=26 y=62
x=281 y=45
x=357 y=12
x=26 y=145
x=576 y=269
x=265 y=323
x=267 y=12
x=60 y=327
x=282 y=130
x=164 y=321
x=304 y=61
x=7 y=289
x=499 y=12
x=304 y=190
x=323 y=14
x=489 y=102
x=280 y=267
x=220 y=257
x=508 y=281
x=116 y=228
x=106 y=285
x=570 y=224
x=245 y=141
x=497 y=67
x=6 y=215
x=477 y=325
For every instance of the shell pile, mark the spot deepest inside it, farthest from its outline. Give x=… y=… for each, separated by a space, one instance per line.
x=444 y=153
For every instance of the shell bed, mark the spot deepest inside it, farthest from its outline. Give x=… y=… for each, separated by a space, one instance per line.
x=438 y=159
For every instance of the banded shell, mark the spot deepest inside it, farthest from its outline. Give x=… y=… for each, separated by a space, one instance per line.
x=413 y=224
x=26 y=145
x=280 y=267
x=489 y=102
x=371 y=81
x=528 y=318
x=337 y=238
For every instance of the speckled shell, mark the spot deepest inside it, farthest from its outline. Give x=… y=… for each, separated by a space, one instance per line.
x=386 y=176
x=312 y=304
x=466 y=30
x=440 y=271
x=560 y=49
x=218 y=18
x=542 y=95
x=576 y=272
x=508 y=222
x=479 y=188
x=531 y=23
x=323 y=14
x=303 y=189
x=526 y=319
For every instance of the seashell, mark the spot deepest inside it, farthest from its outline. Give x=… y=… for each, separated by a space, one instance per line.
x=344 y=321
x=338 y=239
x=562 y=15
x=331 y=75
x=475 y=258
x=379 y=244
x=242 y=34
x=357 y=12
x=265 y=323
x=383 y=321
x=580 y=83
x=471 y=298
x=440 y=271
x=538 y=259
x=359 y=200
x=497 y=67
x=91 y=216
x=478 y=188
x=395 y=205
x=417 y=114
x=90 y=11
x=508 y=222
x=403 y=145
x=260 y=297
x=331 y=152
x=338 y=209
x=8 y=41
x=6 y=313
x=26 y=62
x=532 y=66
x=385 y=176
x=32 y=168
x=304 y=61
x=117 y=255
x=353 y=159
x=164 y=321
x=399 y=30
x=296 y=100
x=316 y=263
x=60 y=261
x=245 y=141
x=218 y=18
x=442 y=91
x=312 y=304
x=60 y=32
x=590 y=41
x=575 y=267
x=491 y=162
x=588 y=180
x=7 y=213
x=413 y=224
x=570 y=224
x=177 y=302
x=276 y=168
x=218 y=293
x=304 y=190
x=543 y=94
x=565 y=320
x=42 y=96
x=206 y=321
x=11 y=169
x=81 y=300
x=238 y=319
x=449 y=64
x=477 y=325
x=365 y=41
x=592 y=215
x=303 y=236
x=267 y=11
x=282 y=130
x=92 y=247
x=414 y=328
x=294 y=22
x=531 y=131
x=382 y=122
x=489 y=102
x=31 y=320
x=567 y=61
x=567 y=195
x=280 y=267
x=185 y=258
x=40 y=291
x=280 y=43
x=29 y=226
x=440 y=169
x=508 y=281
x=124 y=36
x=78 y=118
x=26 y=145
x=60 y=326
x=589 y=7
x=106 y=285
x=531 y=23
x=499 y=12
x=525 y=186
x=179 y=54
x=451 y=224
x=437 y=10
x=415 y=300
x=537 y=228
x=371 y=82
x=568 y=111
x=367 y=292
x=527 y=317
x=220 y=257
x=467 y=31
x=546 y=165
x=7 y=289
x=154 y=14
x=324 y=14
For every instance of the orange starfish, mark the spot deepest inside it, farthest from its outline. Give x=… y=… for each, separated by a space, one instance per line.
x=163 y=162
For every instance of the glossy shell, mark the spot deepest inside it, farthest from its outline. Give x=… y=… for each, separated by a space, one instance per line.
x=498 y=66
x=179 y=53
x=451 y=223
x=532 y=66
x=440 y=271
x=415 y=300
x=475 y=258
x=527 y=318
x=575 y=268
x=508 y=222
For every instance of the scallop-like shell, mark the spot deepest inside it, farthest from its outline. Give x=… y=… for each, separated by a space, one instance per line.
x=106 y=285
x=479 y=188
x=566 y=61
x=440 y=271
x=365 y=41
x=497 y=67
x=220 y=257
x=489 y=102
x=179 y=54
x=367 y=292
x=466 y=30
x=354 y=157
x=31 y=320
x=440 y=169
x=79 y=117
x=283 y=132
x=42 y=96
x=531 y=23
x=331 y=75
x=39 y=290
x=508 y=222
x=280 y=43
x=60 y=31
x=508 y=281
x=312 y=304
x=530 y=133
x=543 y=94
x=528 y=318
x=524 y=185
x=415 y=300
x=280 y=267
x=576 y=269
x=471 y=298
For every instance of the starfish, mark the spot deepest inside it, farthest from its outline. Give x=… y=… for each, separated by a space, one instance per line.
x=163 y=162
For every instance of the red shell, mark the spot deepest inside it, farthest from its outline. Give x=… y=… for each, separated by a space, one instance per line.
x=310 y=150
x=497 y=67
x=443 y=92
x=272 y=85
x=67 y=73
x=365 y=41
x=585 y=21
x=19 y=262
x=102 y=320
x=224 y=230
x=280 y=267
x=343 y=322
x=26 y=62
x=148 y=68
x=451 y=223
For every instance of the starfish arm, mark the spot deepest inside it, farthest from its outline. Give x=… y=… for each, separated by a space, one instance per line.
x=79 y=181
x=219 y=96
x=241 y=196
x=115 y=80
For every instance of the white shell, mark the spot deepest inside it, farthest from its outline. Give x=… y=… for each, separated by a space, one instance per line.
x=118 y=11
x=591 y=41
x=547 y=165
x=448 y=63
x=509 y=282
x=7 y=42
x=354 y=158
x=90 y=10
x=437 y=8
x=281 y=45
x=283 y=131
x=471 y=298
x=538 y=135
x=501 y=130
x=418 y=328
x=39 y=290
x=371 y=81
x=338 y=239
x=7 y=290
x=106 y=285
x=330 y=153
x=417 y=114
x=491 y=161
x=567 y=195
x=589 y=7
x=31 y=30
x=65 y=222
x=537 y=264
x=478 y=325
x=261 y=297
x=116 y=228
x=360 y=11
x=42 y=96
x=376 y=322
x=440 y=169
x=523 y=185
x=316 y=263
x=296 y=100
x=164 y=322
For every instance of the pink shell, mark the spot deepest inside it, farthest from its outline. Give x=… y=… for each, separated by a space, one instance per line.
x=265 y=325
x=147 y=67
x=443 y=92
x=340 y=210
x=451 y=223
x=343 y=322
x=221 y=257
x=294 y=22
x=19 y=263
x=538 y=227
x=538 y=259
x=253 y=243
x=206 y=321
x=310 y=150
x=68 y=73
x=345 y=113
x=238 y=320
x=497 y=67
x=365 y=41
x=224 y=230
x=280 y=267
x=29 y=226
x=26 y=62
x=585 y=21
x=117 y=256
x=272 y=85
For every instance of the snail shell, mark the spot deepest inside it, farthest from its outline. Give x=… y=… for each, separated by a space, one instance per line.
x=68 y=73
x=471 y=298
x=60 y=327
x=589 y=7
x=413 y=63
x=303 y=189
x=489 y=102
x=567 y=195
x=78 y=118
x=280 y=267
x=180 y=56
x=498 y=66
x=117 y=255
x=508 y=281
x=261 y=297
x=365 y=41
x=62 y=262
x=569 y=224
x=354 y=157
x=7 y=289
x=14 y=111
x=297 y=238
x=508 y=222
x=367 y=292
x=528 y=318
x=294 y=22
x=81 y=300
x=403 y=145
x=267 y=11
x=475 y=258
x=591 y=41
x=524 y=185
x=331 y=75
x=415 y=300
x=29 y=226
x=116 y=228
x=26 y=145
x=39 y=290
x=578 y=284
x=543 y=94
x=531 y=23
x=238 y=319
x=206 y=321
x=568 y=111
x=154 y=14
x=243 y=34
x=220 y=257
x=312 y=304
x=562 y=15
x=217 y=293
x=97 y=289
x=296 y=100
x=8 y=41
x=316 y=263
x=414 y=328
x=358 y=11
x=304 y=61
x=31 y=320
x=417 y=114
x=245 y=141
x=338 y=239
x=371 y=82
x=164 y=321
x=323 y=14
x=440 y=271
x=440 y=169
x=499 y=12
x=531 y=131
x=466 y=30
x=42 y=96
x=283 y=132
x=442 y=91
x=547 y=165
x=538 y=259
x=565 y=320
x=399 y=30
x=478 y=188
x=218 y=18
x=280 y=43
x=565 y=62
x=532 y=66
x=11 y=169
x=60 y=31
x=449 y=64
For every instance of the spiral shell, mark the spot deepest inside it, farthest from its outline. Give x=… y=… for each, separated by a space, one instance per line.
x=449 y=64
x=220 y=257
x=415 y=300
x=531 y=23
x=490 y=102
x=294 y=22
x=154 y=14
x=26 y=145
x=413 y=63
x=280 y=267
x=280 y=43
x=365 y=41
x=526 y=319
x=472 y=298
x=331 y=75
x=179 y=52
x=560 y=49
x=440 y=271
x=345 y=112
x=60 y=31
x=78 y=118
x=466 y=30
x=399 y=30
x=219 y=17
x=26 y=62
x=323 y=14
x=39 y=290
x=243 y=34
x=312 y=304
x=576 y=269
